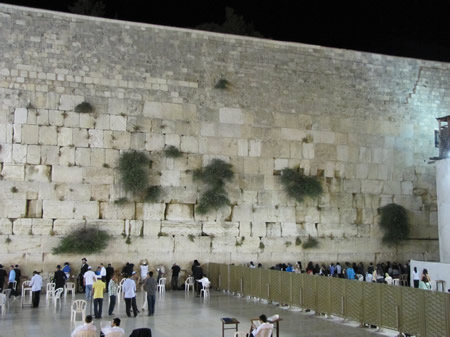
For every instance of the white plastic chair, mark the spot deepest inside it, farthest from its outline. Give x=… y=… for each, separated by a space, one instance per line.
x=26 y=291
x=205 y=290
x=122 y=281
x=78 y=307
x=50 y=290
x=119 y=294
x=14 y=286
x=189 y=283
x=3 y=303
x=396 y=282
x=69 y=286
x=57 y=295
x=86 y=333
x=240 y=334
x=161 y=285
x=114 y=334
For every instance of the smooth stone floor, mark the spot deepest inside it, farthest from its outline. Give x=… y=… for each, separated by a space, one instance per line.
x=177 y=314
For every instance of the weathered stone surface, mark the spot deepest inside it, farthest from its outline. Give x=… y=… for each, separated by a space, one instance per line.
x=55 y=209
x=179 y=212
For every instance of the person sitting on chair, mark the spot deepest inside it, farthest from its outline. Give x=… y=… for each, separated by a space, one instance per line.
x=88 y=325
x=115 y=327
x=263 y=330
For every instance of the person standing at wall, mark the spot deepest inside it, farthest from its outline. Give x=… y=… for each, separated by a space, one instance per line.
x=129 y=294
x=36 y=287
x=109 y=273
x=416 y=278
x=66 y=270
x=112 y=291
x=175 y=272
x=59 y=278
x=103 y=272
x=150 y=287
x=99 y=288
x=83 y=270
x=89 y=279
x=11 y=280
x=18 y=275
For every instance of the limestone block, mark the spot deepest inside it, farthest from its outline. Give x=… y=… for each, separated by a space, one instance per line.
x=97 y=157
x=19 y=153
x=218 y=146
x=311 y=229
x=243 y=147
x=208 y=129
x=30 y=134
x=39 y=173
x=80 y=137
x=228 y=130
x=6 y=153
x=371 y=201
x=55 y=209
x=134 y=227
x=50 y=155
x=245 y=229
x=152 y=228
x=112 y=157
x=285 y=214
x=40 y=226
x=13 y=208
x=407 y=187
x=55 y=118
x=179 y=212
x=329 y=216
x=83 y=157
x=170 y=178
x=69 y=102
x=98 y=175
x=154 y=142
x=48 y=135
x=362 y=171
x=369 y=216
x=169 y=111
x=96 y=138
x=309 y=151
x=66 y=226
x=171 y=139
x=86 y=210
x=189 y=144
x=391 y=187
x=13 y=172
x=292 y=229
x=312 y=215
x=371 y=186
x=67 y=156
x=110 y=210
x=347 y=216
x=137 y=141
x=23 y=227
x=87 y=121
x=231 y=116
x=181 y=195
x=63 y=174
x=103 y=122
x=17 y=133
x=152 y=211
x=65 y=136
x=121 y=140
x=273 y=229
x=352 y=186
x=100 y=192
x=292 y=134
x=34 y=209
x=114 y=227
x=221 y=229
x=118 y=123
x=6 y=226
x=255 y=148
x=33 y=154
x=342 y=152
x=20 y=115
x=181 y=228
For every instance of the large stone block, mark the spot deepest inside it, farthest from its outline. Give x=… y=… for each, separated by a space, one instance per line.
x=181 y=228
x=30 y=134
x=6 y=226
x=19 y=153
x=39 y=173
x=170 y=178
x=69 y=102
x=112 y=211
x=152 y=211
x=66 y=226
x=159 y=110
x=114 y=227
x=13 y=172
x=98 y=175
x=55 y=209
x=63 y=174
x=179 y=212
x=20 y=115
x=86 y=210
x=48 y=135
x=231 y=116
x=221 y=229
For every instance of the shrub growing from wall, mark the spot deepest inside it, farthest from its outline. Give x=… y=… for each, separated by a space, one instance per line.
x=298 y=186
x=395 y=223
x=83 y=241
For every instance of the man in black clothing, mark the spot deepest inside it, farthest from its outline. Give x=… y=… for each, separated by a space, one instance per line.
x=175 y=272
x=59 y=277
x=109 y=274
x=84 y=269
x=3 y=275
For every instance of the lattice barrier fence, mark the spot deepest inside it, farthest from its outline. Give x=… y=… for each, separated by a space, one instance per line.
x=414 y=311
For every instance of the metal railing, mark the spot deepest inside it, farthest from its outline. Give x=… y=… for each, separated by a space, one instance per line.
x=408 y=310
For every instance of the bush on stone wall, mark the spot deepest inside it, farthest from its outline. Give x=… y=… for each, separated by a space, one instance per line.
x=84 y=107
x=214 y=176
x=172 y=152
x=299 y=186
x=310 y=243
x=395 y=224
x=83 y=241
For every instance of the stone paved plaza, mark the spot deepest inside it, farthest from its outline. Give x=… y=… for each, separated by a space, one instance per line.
x=177 y=314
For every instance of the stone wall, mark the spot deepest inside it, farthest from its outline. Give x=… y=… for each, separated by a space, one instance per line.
x=361 y=122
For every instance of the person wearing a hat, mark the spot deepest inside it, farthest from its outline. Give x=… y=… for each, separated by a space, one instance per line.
x=3 y=275
x=175 y=272
x=66 y=270
x=129 y=294
x=59 y=277
x=36 y=287
x=89 y=279
x=98 y=287
x=83 y=270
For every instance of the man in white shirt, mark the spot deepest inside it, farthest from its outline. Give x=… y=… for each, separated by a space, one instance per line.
x=89 y=280
x=129 y=294
x=103 y=272
x=259 y=331
x=86 y=326
x=115 y=324
x=36 y=287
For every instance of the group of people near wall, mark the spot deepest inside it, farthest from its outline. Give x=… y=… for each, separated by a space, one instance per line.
x=10 y=279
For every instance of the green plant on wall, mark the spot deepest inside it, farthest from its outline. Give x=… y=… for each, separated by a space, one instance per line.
x=84 y=107
x=310 y=243
x=172 y=152
x=222 y=84
x=214 y=176
x=299 y=186
x=134 y=169
x=83 y=241
x=395 y=224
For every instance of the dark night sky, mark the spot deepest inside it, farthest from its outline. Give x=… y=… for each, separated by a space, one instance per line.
x=411 y=28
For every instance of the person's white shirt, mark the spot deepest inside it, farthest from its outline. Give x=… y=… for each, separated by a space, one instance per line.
x=204 y=281
x=103 y=271
x=369 y=277
x=36 y=283
x=263 y=326
x=109 y=329
x=89 y=278
x=129 y=288
x=416 y=276
x=84 y=327
x=144 y=271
